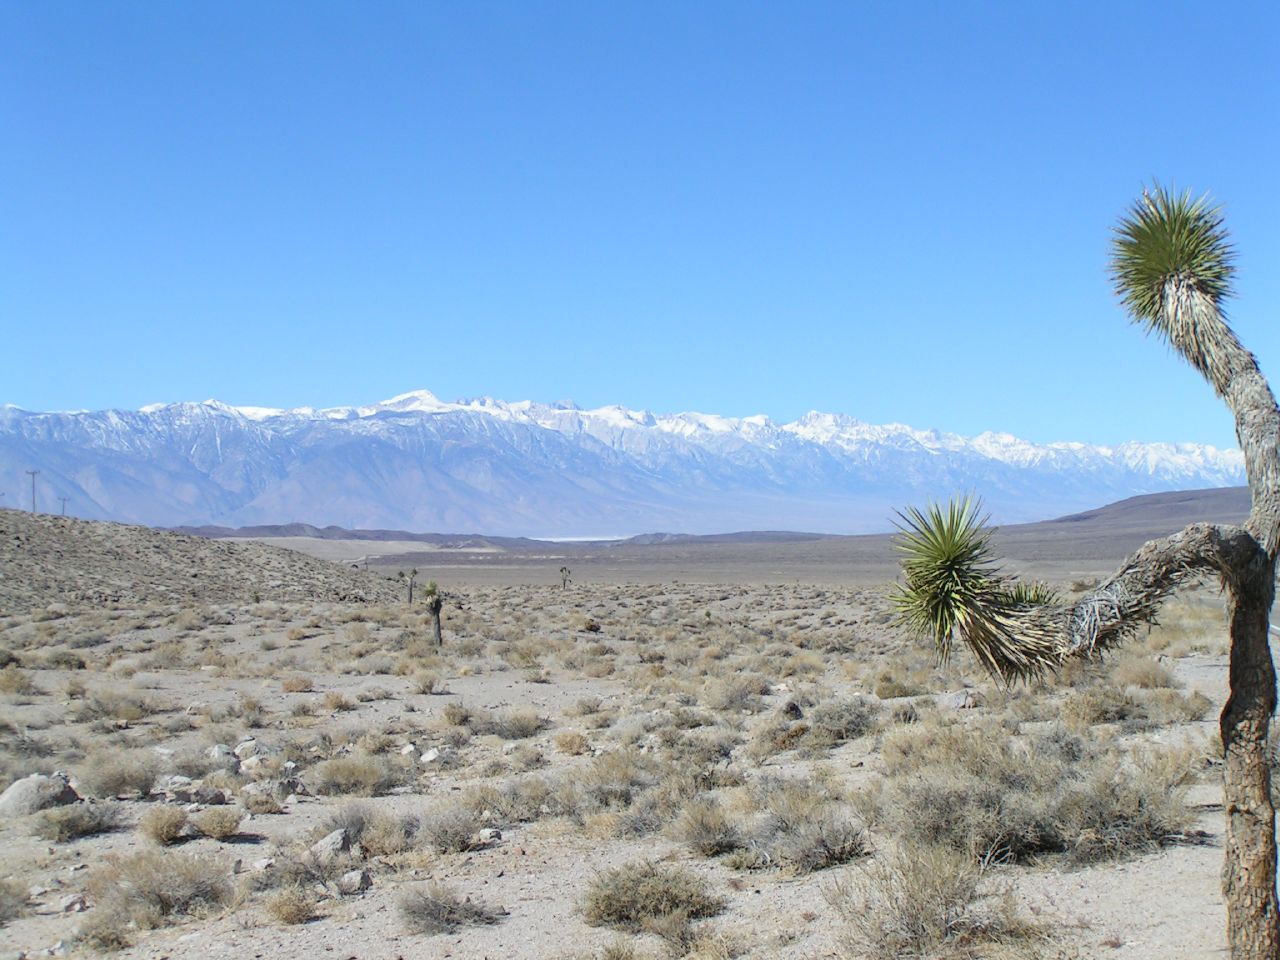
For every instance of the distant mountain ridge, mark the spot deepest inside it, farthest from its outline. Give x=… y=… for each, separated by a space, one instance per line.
x=554 y=470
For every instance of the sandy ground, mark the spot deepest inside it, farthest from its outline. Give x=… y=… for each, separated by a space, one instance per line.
x=649 y=659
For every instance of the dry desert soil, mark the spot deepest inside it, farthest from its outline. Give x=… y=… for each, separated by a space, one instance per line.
x=702 y=749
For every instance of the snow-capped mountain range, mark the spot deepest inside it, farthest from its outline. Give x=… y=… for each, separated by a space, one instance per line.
x=417 y=463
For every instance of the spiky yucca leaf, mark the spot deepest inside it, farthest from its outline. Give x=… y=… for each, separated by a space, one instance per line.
x=948 y=569
x=952 y=591
x=1169 y=237
x=1037 y=593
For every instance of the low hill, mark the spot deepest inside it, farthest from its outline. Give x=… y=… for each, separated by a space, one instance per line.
x=46 y=559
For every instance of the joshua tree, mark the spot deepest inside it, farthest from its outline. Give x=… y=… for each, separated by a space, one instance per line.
x=435 y=602
x=1172 y=265
x=412 y=578
x=564 y=578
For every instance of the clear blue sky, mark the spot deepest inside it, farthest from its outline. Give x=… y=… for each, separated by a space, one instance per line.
x=898 y=211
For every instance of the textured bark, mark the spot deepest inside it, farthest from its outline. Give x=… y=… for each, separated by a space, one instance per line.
x=434 y=603
x=1132 y=595
x=1249 y=867
x=1197 y=330
x=1245 y=560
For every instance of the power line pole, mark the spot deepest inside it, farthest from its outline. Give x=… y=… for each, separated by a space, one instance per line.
x=33 y=489
x=64 y=505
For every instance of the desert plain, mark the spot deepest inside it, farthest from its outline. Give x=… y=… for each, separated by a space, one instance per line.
x=702 y=748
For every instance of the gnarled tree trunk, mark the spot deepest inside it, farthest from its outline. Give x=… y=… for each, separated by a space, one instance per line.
x=1172 y=267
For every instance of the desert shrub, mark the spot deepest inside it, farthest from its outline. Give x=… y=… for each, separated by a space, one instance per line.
x=512 y=725
x=261 y=804
x=916 y=900
x=988 y=795
x=656 y=807
x=61 y=660
x=336 y=702
x=296 y=684
x=355 y=818
x=777 y=736
x=116 y=772
x=801 y=828
x=113 y=704
x=456 y=713
x=1122 y=809
x=13 y=898
x=735 y=694
x=16 y=681
x=426 y=682
x=76 y=820
x=152 y=888
x=386 y=834
x=1174 y=706
x=357 y=774
x=704 y=748
x=841 y=720
x=982 y=816
x=905 y=712
x=219 y=823
x=1135 y=670
x=435 y=908
x=449 y=829
x=1102 y=703
x=291 y=905
x=522 y=801
x=827 y=840
x=572 y=742
x=614 y=779
x=890 y=685
x=633 y=896
x=621 y=950
x=164 y=824
x=704 y=827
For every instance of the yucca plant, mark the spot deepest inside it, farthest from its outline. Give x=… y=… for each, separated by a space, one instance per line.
x=953 y=590
x=1171 y=263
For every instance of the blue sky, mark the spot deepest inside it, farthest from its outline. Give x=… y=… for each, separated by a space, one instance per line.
x=897 y=211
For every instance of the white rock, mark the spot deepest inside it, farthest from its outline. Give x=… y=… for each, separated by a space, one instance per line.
x=354 y=881
x=36 y=792
x=431 y=756
x=960 y=699
x=247 y=748
x=74 y=903
x=330 y=846
x=407 y=749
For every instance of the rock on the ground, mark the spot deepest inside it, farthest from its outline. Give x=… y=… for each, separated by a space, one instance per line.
x=960 y=699
x=331 y=846
x=36 y=792
x=354 y=881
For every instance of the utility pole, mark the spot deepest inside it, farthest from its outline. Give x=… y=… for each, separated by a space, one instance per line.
x=64 y=505
x=33 y=489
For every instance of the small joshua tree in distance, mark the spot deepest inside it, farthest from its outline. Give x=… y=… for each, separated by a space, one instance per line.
x=435 y=603
x=411 y=579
